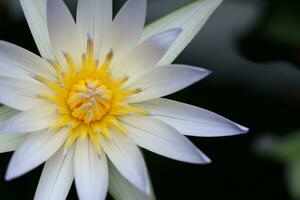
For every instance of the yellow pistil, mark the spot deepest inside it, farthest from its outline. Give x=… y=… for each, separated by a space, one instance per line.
x=89 y=99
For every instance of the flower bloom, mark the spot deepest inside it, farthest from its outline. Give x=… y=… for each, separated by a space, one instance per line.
x=94 y=96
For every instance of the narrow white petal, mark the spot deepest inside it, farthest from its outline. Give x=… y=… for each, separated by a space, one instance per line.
x=190 y=18
x=57 y=176
x=29 y=121
x=91 y=171
x=35 y=13
x=63 y=33
x=36 y=149
x=18 y=100
x=128 y=159
x=164 y=80
x=146 y=54
x=121 y=189
x=191 y=120
x=23 y=87
x=94 y=17
x=9 y=142
x=162 y=139
x=16 y=62
x=127 y=27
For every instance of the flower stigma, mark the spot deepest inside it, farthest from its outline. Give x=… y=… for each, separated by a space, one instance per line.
x=89 y=99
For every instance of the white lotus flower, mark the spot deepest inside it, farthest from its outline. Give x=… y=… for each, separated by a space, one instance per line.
x=93 y=97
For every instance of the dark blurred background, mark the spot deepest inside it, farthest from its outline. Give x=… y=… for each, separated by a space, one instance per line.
x=253 y=49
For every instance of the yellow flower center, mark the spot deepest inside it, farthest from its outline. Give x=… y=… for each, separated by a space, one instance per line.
x=89 y=99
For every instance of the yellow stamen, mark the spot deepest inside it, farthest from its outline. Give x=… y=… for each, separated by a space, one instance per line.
x=90 y=50
x=71 y=63
x=57 y=68
x=107 y=61
x=52 y=85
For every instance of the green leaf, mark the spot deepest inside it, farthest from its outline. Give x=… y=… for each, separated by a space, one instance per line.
x=293 y=178
x=281 y=22
x=190 y=18
x=286 y=148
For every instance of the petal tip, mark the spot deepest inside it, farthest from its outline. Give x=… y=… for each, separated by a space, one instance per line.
x=244 y=129
x=208 y=72
x=202 y=158
x=12 y=172
x=203 y=73
x=205 y=160
x=178 y=30
x=7 y=178
x=145 y=186
x=147 y=189
x=172 y=34
x=10 y=175
x=241 y=129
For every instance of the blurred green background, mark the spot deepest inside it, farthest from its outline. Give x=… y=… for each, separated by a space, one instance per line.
x=253 y=49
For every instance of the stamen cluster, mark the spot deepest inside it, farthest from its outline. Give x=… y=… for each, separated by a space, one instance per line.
x=89 y=99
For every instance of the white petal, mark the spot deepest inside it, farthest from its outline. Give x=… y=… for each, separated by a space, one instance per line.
x=9 y=142
x=63 y=33
x=164 y=80
x=35 y=13
x=128 y=159
x=162 y=139
x=57 y=176
x=29 y=121
x=16 y=62
x=94 y=17
x=121 y=189
x=127 y=27
x=191 y=120
x=22 y=87
x=36 y=149
x=146 y=54
x=18 y=100
x=190 y=18
x=91 y=171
